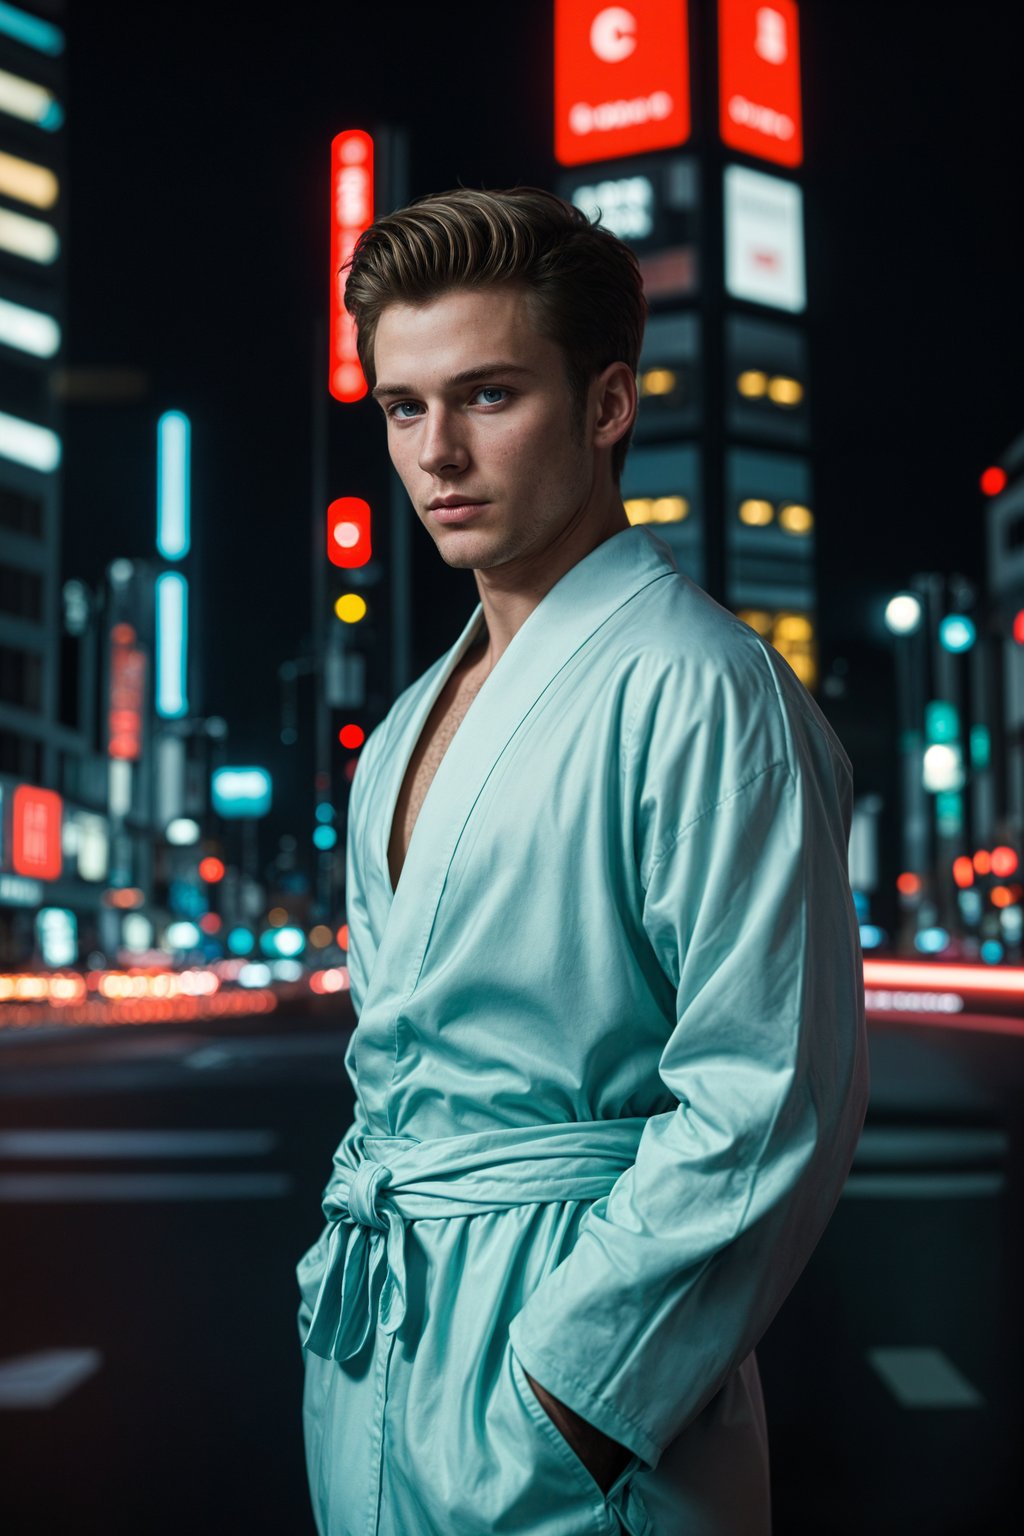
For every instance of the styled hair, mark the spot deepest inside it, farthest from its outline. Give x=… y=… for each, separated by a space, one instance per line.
x=586 y=291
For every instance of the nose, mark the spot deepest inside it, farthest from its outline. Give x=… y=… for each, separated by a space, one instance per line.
x=441 y=447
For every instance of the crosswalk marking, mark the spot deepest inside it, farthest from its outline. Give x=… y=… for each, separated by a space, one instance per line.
x=924 y=1378
x=46 y=1377
x=135 y=1143
x=75 y=1188
x=922 y=1186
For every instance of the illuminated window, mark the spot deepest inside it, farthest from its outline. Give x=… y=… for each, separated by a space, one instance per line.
x=791 y=634
x=758 y=619
x=27 y=182
x=657 y=381
x=755 y=512
x=28 y=330
x=783 y=391
x=30 y=102
x=795 y=518
x=657 y=509
x=792 y=626
x=32 y=238
x=752 y=383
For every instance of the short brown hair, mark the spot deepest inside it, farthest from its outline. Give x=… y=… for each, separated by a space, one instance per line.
x=584 y=282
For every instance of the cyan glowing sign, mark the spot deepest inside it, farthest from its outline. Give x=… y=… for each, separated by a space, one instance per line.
x=240 y=791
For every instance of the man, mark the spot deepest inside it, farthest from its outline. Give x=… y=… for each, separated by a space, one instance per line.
x=610 y=1063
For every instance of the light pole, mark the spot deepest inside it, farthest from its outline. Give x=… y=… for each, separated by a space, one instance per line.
x=904 y=620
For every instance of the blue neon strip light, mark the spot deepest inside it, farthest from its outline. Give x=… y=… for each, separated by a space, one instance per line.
x=35 y=33
x=173 y=485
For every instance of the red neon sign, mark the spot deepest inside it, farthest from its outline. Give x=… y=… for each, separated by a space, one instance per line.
x=351 y=213
x=759 y=79
x=622 y=78
x=35 y=844
x=127 y=696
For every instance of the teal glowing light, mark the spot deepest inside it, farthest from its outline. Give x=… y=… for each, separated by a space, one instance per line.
x=941 y=722
x=31 y=31
x=325 y=811
x=173 y=484
x=240 y=790
x=931 y=941
x=949 y=812
x=991 y=951
x=286 y=942
x=325 y=837
x=957 y=632
x=171 y=645
x=240 y=941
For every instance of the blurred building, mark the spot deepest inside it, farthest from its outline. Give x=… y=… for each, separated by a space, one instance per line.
x=102 y=744
x=1004 y=485
x=705 y=187
x=33 y=264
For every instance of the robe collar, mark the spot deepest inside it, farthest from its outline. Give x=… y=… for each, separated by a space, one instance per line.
x=579 y=603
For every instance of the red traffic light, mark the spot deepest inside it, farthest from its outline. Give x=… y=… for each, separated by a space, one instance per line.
x=348 y=532
x=993 y=480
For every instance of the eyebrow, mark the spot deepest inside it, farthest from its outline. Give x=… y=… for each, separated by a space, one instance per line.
x=468 y=376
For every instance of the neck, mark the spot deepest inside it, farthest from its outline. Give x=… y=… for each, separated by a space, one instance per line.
x=510 y=593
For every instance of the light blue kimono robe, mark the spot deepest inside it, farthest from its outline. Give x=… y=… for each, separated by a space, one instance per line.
x=610 y=1070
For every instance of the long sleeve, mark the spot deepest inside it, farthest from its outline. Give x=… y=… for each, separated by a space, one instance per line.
x=746 y=905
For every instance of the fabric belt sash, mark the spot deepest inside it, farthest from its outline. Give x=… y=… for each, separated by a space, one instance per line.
x=381 y=1182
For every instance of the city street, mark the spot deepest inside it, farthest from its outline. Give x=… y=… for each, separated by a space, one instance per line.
x=560 y=600
x=157 y=1189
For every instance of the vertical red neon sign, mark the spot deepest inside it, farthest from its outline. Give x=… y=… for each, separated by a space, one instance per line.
x=35 y=825
x=351 y=213
x=759 y=79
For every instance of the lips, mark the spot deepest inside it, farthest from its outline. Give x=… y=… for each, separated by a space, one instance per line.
x=460 y=512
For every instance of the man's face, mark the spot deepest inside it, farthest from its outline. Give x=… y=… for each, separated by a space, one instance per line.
x=505 y=438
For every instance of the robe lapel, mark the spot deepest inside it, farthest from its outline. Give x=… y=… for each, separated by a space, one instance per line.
x=564 y=620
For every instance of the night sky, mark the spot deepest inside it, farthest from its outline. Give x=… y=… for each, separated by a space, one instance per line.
x=197 y=247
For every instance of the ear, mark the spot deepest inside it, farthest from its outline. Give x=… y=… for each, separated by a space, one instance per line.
x=613 y=395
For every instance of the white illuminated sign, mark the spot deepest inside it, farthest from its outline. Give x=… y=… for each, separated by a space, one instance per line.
x=625 y=206
x=764 y=239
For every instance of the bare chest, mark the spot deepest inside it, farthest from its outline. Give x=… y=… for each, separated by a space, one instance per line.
x=436 y=737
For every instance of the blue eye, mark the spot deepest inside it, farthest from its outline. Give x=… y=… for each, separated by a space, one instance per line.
x=485 y=389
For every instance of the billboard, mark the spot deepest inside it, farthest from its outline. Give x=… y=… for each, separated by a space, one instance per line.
x=764 y=240
x=36 y=832
x=759 y=79
x=622 y=79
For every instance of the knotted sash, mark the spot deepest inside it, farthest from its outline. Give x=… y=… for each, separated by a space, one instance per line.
x=381 y=1182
